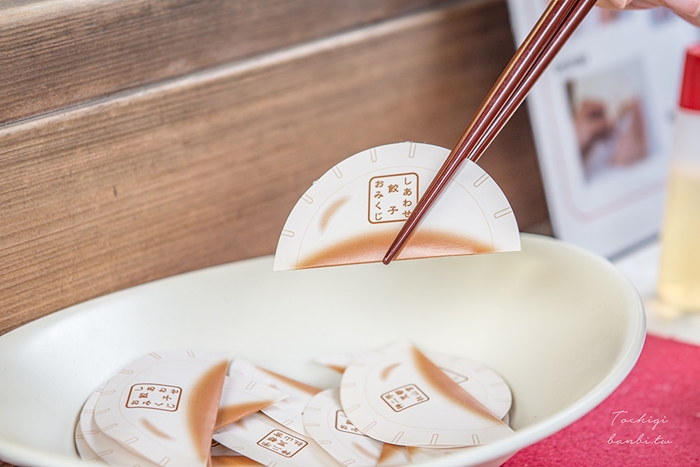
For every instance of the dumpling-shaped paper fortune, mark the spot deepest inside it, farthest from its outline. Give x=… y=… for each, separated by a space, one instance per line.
x=398 y=396
x=482 y=383
x=262 y=439
x=95 y=441
x=354 y=211
x=287 y=411
x=326 y=423
x=163 y=406
x=241 y=397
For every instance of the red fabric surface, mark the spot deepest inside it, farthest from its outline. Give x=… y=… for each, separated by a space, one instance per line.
x=664 y=386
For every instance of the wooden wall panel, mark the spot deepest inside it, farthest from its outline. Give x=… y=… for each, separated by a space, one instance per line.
x=55 y=53
x=204 y=169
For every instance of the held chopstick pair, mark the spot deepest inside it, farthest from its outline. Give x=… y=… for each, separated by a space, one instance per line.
x=555 y=26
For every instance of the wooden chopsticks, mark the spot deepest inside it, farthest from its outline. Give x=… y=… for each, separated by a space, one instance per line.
x=555 y=26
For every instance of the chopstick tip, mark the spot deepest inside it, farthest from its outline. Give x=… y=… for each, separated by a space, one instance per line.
x=387 y=258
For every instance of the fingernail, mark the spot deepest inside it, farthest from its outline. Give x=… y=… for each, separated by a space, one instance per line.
x=688 y=7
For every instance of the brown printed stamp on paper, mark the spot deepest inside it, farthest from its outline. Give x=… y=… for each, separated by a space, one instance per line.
x=392 y=198
x=154 y=396
x=342 y=423
x=282 y=443
x=404 y=397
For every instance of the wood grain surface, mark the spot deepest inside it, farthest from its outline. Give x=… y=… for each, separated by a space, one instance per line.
x=56 y=53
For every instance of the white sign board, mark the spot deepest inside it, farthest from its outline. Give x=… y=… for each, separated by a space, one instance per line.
x=602 y=115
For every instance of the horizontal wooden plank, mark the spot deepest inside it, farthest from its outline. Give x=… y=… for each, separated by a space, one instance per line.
x=204 y=169
x=55 y=53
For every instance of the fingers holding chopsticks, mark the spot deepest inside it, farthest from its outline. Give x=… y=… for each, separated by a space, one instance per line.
x=689 y=10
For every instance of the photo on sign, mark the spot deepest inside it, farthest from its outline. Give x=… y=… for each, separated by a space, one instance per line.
x=609 y=114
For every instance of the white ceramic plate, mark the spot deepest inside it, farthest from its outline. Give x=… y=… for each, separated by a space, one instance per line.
x=561 y=325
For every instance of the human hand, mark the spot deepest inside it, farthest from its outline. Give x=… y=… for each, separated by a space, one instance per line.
x=631 y=145
x=591 y=124
x=689 y=10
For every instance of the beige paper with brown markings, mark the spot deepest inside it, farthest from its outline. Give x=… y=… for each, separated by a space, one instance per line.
x=352 y=213
x=397 y=395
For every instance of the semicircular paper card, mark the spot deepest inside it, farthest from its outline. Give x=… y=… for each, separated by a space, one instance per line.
x=326 y=423
x=398 y=396
x=354 y=211
x=102 y=446
x=163 y=406
x=481 y=382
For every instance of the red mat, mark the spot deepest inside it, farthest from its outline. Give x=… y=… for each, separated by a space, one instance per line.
x=652 y=419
